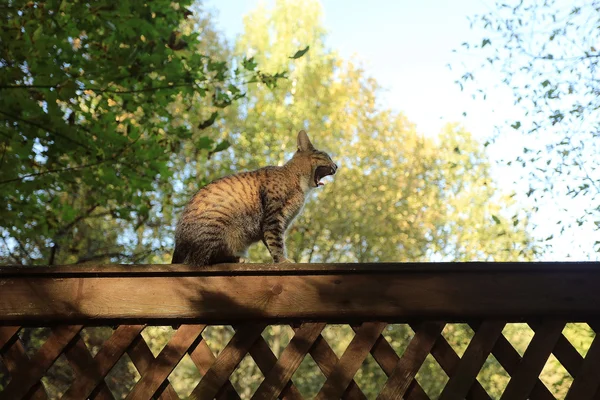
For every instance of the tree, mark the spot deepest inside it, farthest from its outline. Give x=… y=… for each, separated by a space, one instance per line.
x=546 y=53
x=398 y=196
x=86 y=94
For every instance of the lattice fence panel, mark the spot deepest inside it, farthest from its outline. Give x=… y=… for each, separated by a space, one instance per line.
x=425 y=360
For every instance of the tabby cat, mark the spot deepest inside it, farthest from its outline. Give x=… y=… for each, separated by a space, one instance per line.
x=228 y=215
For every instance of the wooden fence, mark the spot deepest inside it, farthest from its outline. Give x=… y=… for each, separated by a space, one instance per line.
x=306 y=297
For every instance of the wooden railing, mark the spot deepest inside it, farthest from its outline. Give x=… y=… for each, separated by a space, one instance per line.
x=306 y=297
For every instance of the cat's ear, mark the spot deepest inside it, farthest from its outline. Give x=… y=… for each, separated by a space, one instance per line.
x=304 y=143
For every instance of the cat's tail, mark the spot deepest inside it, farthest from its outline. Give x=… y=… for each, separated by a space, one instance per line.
x=183 y=255
x=178 y=255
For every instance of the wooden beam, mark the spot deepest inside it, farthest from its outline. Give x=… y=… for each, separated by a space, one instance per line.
x=300 y=292
x=294 y=269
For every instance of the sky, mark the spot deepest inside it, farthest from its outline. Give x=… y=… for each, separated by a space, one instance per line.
x=407 y=47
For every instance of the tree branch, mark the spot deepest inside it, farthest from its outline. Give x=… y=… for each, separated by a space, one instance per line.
x=99 y=257
x=10 y=253
x=64 y=230
x=4 y=146
x=129 y=91
x=53 y=253
x=35 y=124
x=53 y=171
x=59 y=170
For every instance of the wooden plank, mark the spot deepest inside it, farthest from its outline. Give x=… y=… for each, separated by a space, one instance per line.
x=101 y=394
x=15 y=359
x=343 y=373
x=510 y=360
x=385 y=355
x=472 y=360
x=411 y=361
x=564 y=352
x=587 y=380
x=90 y=372
x=326 y=360
x=447 y=358
x=8 y=335
x=526 y=375
x=415 y=392
x=28 y=375
x=227 y=361
x=86 y=370
x=297 y=268
x=291 y=357
x=326 y=297
x=142 y=358
x=203 y=359
x=265 y=360
x=165 y=362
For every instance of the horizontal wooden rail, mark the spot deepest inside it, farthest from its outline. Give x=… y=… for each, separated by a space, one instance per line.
x=239 y=293
x=47 y=318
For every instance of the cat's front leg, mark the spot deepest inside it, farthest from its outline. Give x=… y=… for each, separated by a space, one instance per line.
x=274 y=240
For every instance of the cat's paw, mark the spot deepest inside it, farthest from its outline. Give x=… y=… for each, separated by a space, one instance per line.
x=243 y=260
x=285 y=261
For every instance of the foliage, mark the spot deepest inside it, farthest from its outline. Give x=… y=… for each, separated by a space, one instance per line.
x=546 y=53
x=86 y=125
x=115 y=113
x=426 y=199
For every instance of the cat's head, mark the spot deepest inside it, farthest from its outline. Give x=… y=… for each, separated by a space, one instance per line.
x=320 y=163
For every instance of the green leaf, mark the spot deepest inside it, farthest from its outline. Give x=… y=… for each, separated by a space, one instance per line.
x=204 y=143
x=249 y=64
x=485 y=42
x=300 y=53
x=516 y=125
x=220 y=147
x=496 y=219
x=211 y=120
x=224 y=145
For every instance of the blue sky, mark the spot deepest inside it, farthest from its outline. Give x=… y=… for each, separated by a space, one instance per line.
x=407 y=46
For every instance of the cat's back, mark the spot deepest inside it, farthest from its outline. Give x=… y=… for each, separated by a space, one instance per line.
x=221 y=220
x=228 y=197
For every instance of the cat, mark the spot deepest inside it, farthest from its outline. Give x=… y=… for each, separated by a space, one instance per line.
x=229 y=214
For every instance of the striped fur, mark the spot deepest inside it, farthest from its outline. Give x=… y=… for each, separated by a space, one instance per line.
x=228 y=215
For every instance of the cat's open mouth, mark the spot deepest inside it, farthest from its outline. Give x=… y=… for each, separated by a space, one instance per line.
x=322 y=172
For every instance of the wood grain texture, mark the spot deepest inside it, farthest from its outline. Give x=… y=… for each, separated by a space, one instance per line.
x=140 y=354
x=248 y=297
x=265 y=360
x=332 y=294
x=470 y=364
x=161 y=367
x=88 y=377
x=412 y=359
x=90 y=371
x=25 y=381
x=14 y=357
x=326 y=359
x=203 y=358
x=227 y=361
x=447 y=358
x=524 y=378
x=99 y=270
x=343 y=372
x=587 y=378
x=385 y=355
x=282 y=372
